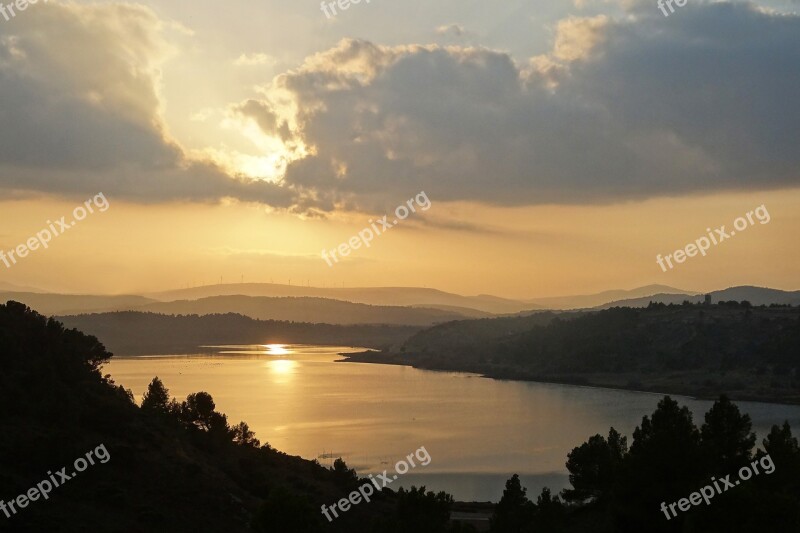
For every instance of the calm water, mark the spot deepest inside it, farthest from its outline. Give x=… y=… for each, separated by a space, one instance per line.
x=477 y=431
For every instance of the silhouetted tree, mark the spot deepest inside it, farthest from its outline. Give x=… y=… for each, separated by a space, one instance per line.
x=156 y=399
x=784 y=451
x=514 y=510
x=594 y=465
x=423 y=512
x=726 y=437
x=242 y=435
x=550 y=512
x=198 y=409
x=343 y=476
x=664 y=464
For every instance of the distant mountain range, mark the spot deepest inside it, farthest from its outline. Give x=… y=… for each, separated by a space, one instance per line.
x=310 y=310
x=9 y=287
x=587 y=301
x=71 y=304
x=405 y=296
x=754 y=295
x=315 y=310
x=411 y=306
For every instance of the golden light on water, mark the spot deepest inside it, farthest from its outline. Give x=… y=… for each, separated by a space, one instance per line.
x=277 y=349
x=281 y=366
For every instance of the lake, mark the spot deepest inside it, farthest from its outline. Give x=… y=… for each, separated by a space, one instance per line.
x=477 y=431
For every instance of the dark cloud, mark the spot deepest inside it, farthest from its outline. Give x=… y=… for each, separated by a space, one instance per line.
x=629 y=109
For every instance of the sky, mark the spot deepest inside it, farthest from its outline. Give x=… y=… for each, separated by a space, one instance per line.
x=562 y=145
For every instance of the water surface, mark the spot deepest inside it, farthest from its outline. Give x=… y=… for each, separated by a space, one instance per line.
x=477 y=431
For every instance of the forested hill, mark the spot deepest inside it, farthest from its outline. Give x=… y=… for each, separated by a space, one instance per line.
x=135 y=333
x=167 y=466
x=734 y=348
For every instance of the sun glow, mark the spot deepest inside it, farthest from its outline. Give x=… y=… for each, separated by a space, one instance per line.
x=281 y=366
x=277 y=349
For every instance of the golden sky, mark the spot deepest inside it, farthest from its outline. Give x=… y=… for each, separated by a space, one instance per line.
x=562 y=145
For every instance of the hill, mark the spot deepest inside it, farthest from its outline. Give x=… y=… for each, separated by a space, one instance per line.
x=167 y=466
x=306 y=309
x=753 y=295
x=135 y=333
x=586 y=301
x=67 y=304
x=405 y=296
x=705 y=350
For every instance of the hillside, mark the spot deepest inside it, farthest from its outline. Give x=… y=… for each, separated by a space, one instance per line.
x=754 y=295
x=304 y=309
x=584 y=301
x=169 y=466
x=743 y=351
x=405 y=296
x=68 y=304
x=134 y=333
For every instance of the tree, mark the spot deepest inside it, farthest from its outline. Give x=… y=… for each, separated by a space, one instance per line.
x=343 y=476
x=241 y=435
x=514 y=510
x=784 y=451
x=423 y=512
x=550 y=512
x=198 y=410
x=726 y=436
x=156 y=399
x=664 y=464
x=218 y=428
x=669 y=441
x=594 y=465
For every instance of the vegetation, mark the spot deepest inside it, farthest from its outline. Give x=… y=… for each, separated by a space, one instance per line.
x=135 y=333
x=730 y=348
x=620 y=490
x=174 y=466
x=181 y=466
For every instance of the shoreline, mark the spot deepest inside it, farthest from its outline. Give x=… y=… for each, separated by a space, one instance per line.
x=615 y=382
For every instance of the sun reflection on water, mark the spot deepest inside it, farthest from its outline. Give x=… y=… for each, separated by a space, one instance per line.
x=281 y=366
x=277 y=349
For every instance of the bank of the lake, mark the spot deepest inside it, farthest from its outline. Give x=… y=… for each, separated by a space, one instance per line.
x=701 y=384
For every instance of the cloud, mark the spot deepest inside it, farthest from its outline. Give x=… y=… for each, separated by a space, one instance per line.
x=82 y=111
x=576 y=37
x=619 y=109
x=451 y=29
x=255 y=59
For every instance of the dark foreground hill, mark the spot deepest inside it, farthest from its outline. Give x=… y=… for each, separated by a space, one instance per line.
x=164 y=467
x=734 y=348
